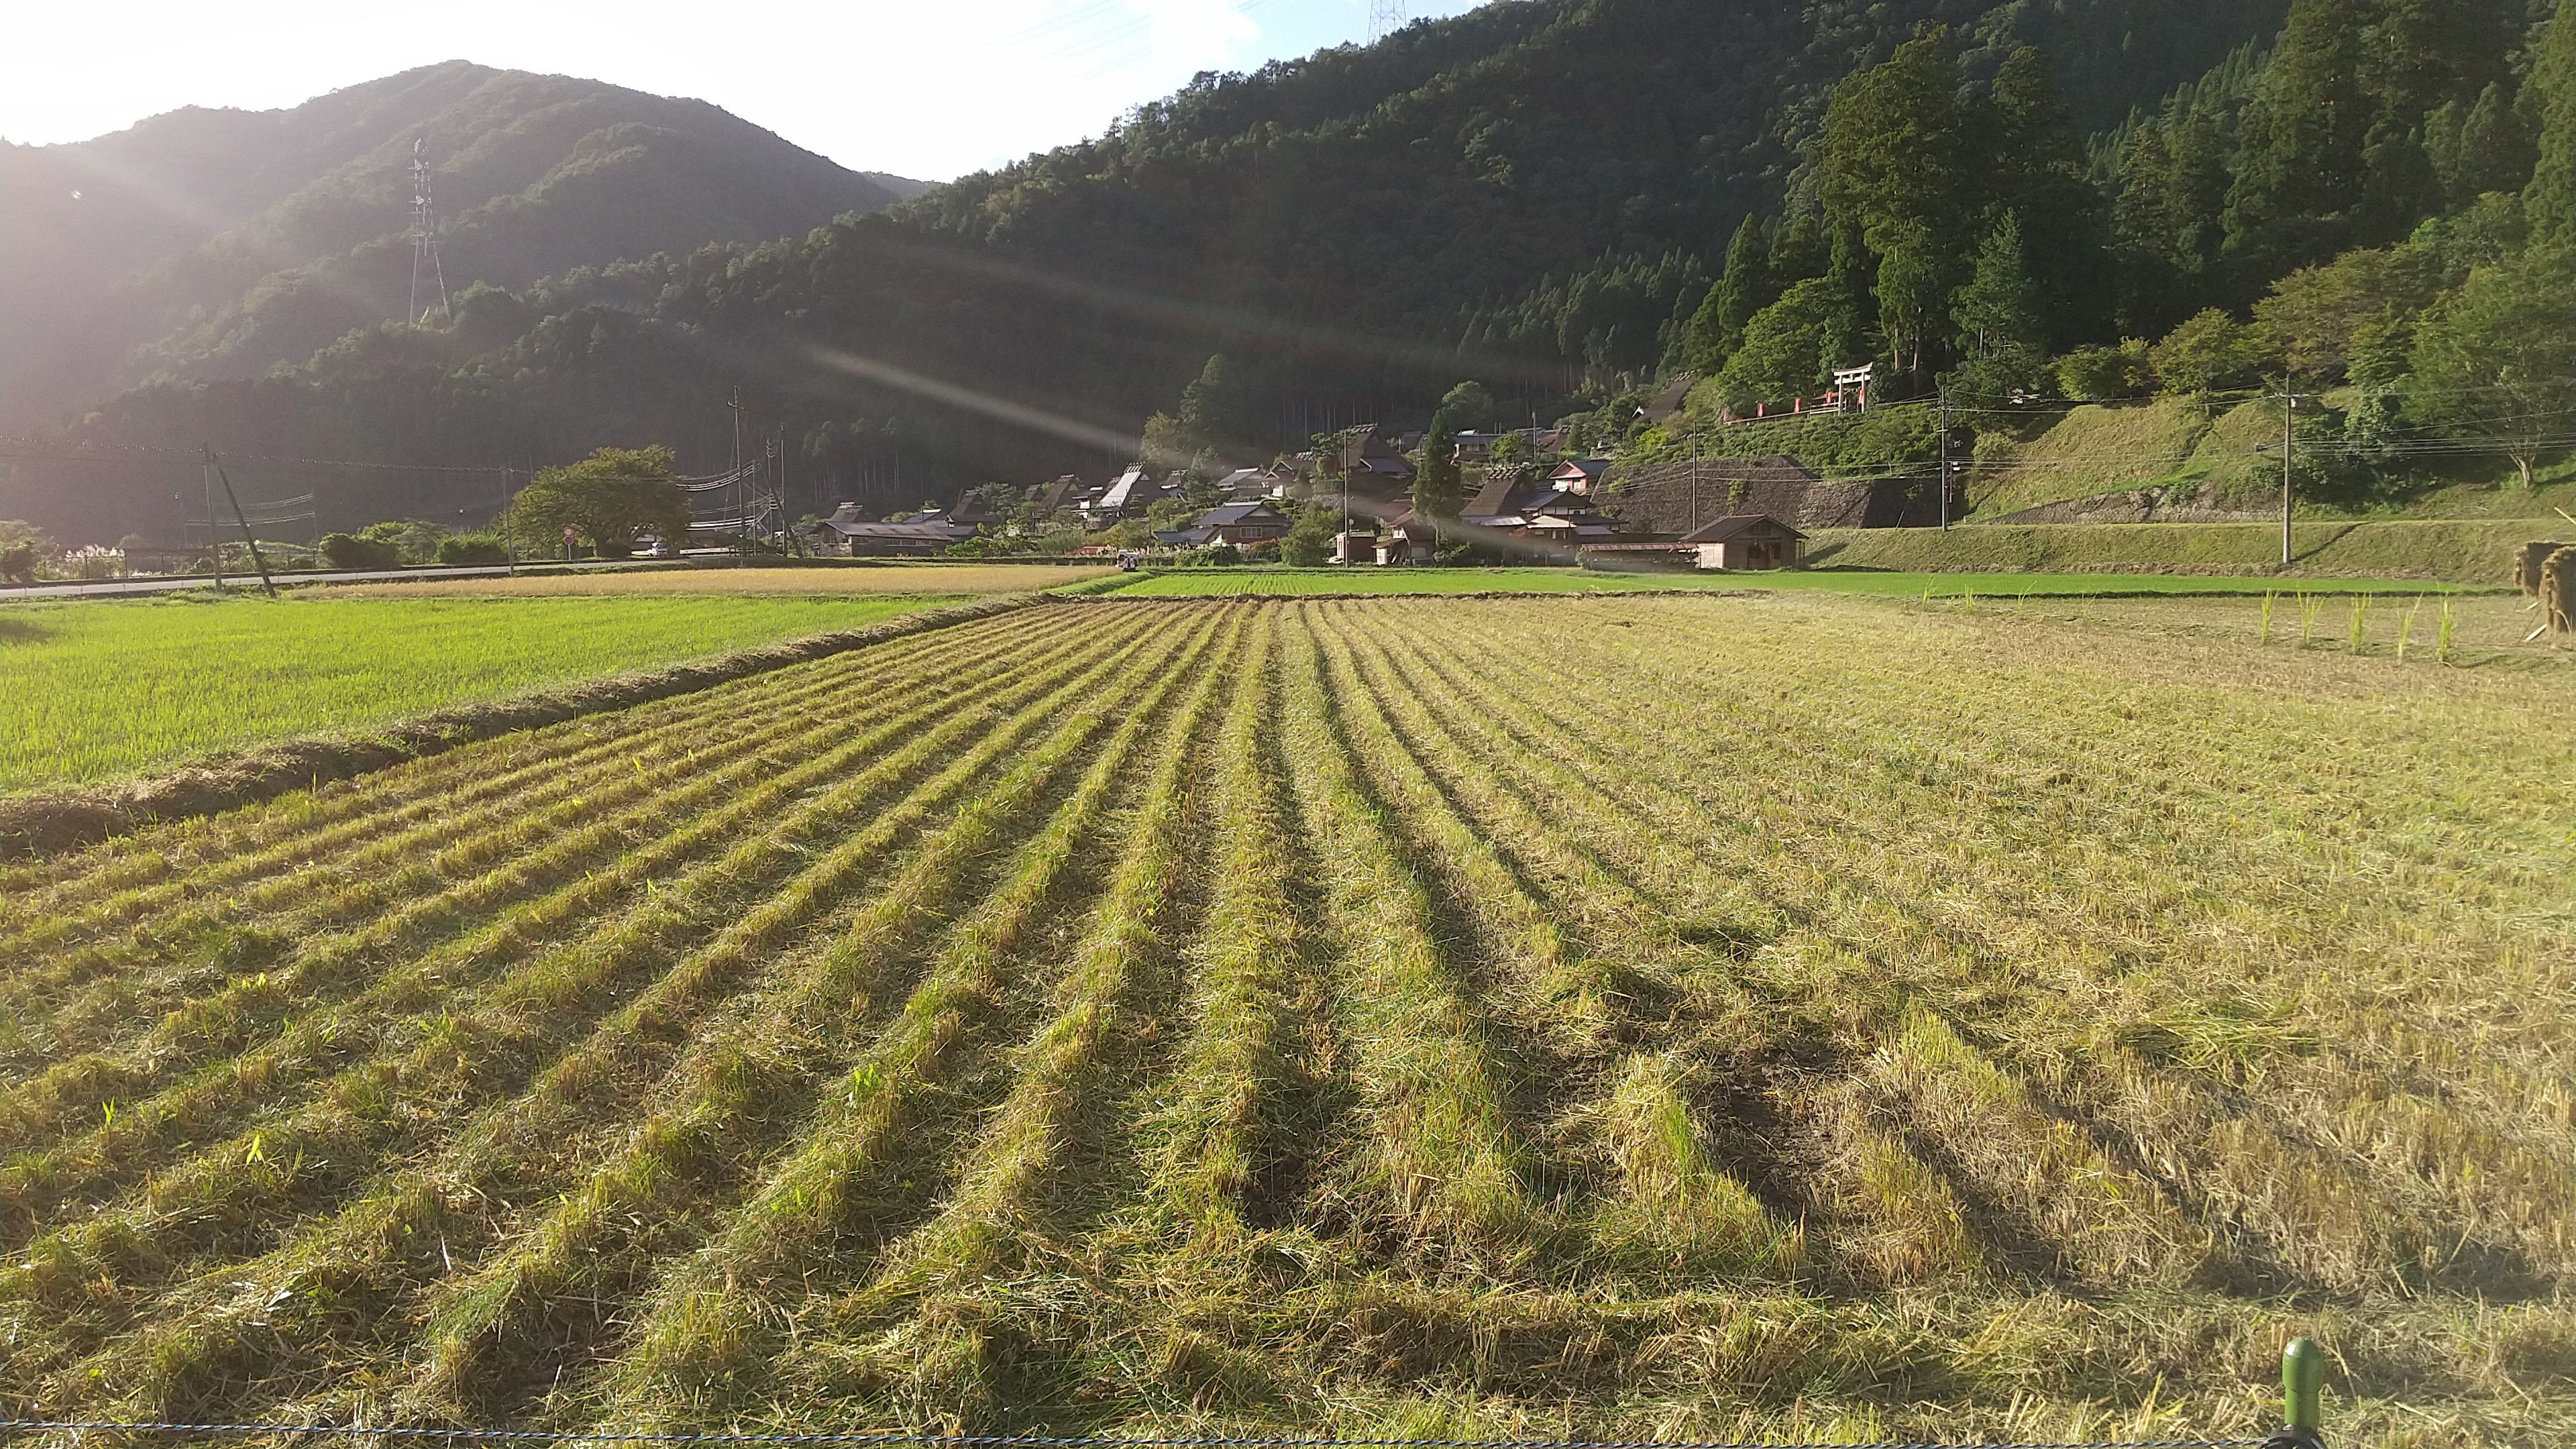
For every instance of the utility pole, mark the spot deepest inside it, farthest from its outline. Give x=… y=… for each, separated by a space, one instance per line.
x=509 y=543
x=1945 y=462
x=774 y=480
x=1342 y=545
x=257 y=561
x=1694 y=486
x=214 y=540
x=742 y=535
x=2289 y=401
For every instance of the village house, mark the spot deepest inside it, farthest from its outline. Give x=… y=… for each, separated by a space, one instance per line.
x=1240 y=524
x=1132 y=495
x=1382 y=469
x=849 y=533
x=1408 y=540
x=1252 y=485
x=1503 y=503
x=1581 y=476
x=971 y=511
x=1746 y=541
x=1243 y=523
x=1066 y=494
x=1667 y=405
x=1477 y=445
x=1355 y=544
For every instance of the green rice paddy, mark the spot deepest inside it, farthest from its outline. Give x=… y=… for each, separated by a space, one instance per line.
x=98 y=688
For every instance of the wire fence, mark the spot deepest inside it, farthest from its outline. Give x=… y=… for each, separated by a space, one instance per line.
x=1041 y=1441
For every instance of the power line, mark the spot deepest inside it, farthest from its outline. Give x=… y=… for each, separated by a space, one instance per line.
x=117 y=452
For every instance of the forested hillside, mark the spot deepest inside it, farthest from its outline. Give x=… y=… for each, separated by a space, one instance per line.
x=1567 y=199
x=209 y=243
x=2374 y=209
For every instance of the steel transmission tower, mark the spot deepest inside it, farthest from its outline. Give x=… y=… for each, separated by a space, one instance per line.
x=1386 y=17
x=424 y=238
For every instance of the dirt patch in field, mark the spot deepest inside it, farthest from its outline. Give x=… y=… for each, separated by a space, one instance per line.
x=43 y=824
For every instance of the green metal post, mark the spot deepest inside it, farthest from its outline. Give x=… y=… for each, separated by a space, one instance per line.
x=2303 y=1373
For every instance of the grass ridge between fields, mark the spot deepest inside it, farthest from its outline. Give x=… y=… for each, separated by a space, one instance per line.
x=46 y=822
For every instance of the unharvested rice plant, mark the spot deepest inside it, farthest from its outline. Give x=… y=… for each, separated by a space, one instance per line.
x=1702 y=1017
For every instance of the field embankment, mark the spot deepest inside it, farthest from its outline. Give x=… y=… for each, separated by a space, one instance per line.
x=1271 y=582
x=1366 y=581
x=2465 y=551
x=110 y=690
x=823 y=577
x=2176 y=445
x=1884 y=1024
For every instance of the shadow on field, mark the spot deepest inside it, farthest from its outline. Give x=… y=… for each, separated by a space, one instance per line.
x=22 y=631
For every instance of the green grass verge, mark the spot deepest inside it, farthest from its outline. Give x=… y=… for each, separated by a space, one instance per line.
x=1370 y=579
x=2093 y=449
x=1308 y=583
x=2462 y=551
x=100 y=688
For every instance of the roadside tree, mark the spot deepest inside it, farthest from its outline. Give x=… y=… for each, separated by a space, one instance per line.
x=606 y=499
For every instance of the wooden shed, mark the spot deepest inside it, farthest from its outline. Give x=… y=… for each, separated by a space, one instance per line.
x=1746 y=541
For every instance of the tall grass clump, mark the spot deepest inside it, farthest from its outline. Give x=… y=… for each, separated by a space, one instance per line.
x=1678 y=1207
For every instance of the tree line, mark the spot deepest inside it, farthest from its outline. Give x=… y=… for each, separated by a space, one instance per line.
x=1956 y=234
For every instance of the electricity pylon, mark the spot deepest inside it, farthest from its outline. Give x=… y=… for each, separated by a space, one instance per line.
x=424 y=238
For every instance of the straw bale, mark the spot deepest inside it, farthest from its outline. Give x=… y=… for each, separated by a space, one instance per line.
x=2527 y=560
x=2558 y=591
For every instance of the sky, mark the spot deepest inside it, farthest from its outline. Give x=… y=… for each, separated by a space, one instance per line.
x=930 y=89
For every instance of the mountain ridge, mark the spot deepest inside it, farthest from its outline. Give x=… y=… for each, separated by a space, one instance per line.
x=155 y=268
x=1553 y=176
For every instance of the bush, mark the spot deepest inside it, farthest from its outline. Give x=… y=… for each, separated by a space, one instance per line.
x=1310 y=539
x=92 y=562
x=2103 y=374
x=1215 y=555
x=22 y=545
x=351 y=551
x=472 y=548
x=2209 y=351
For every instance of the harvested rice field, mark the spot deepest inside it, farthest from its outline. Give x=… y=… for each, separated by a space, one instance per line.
x=1682 y=1017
